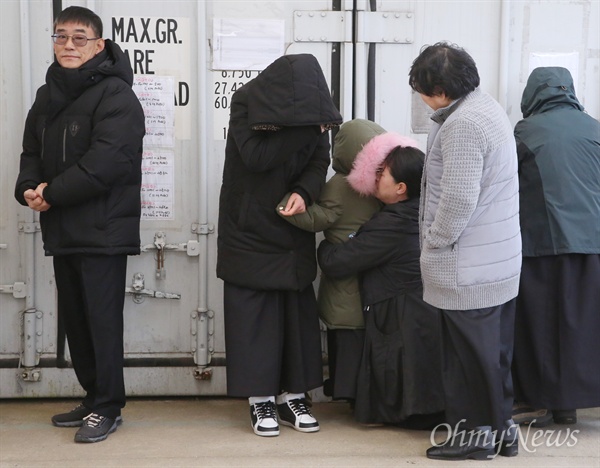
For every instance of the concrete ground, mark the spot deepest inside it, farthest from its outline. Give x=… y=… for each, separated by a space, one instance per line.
x=206 y=432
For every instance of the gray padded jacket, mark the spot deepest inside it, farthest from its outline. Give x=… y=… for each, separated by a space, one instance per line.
x=469 y=214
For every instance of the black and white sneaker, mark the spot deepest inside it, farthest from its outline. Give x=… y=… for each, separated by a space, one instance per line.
x=73 y=418
x=96 y=428
x=264 y=419
x=296 y=413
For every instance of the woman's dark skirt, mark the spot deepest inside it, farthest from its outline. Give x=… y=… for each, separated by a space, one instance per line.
x=401 y=371
x=557 y=332
x=272 y=341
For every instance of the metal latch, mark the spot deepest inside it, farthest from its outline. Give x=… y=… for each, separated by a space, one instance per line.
x=18 y=290
x=191 y=247
x=139 y=292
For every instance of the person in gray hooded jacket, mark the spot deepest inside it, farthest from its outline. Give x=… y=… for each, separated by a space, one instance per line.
x=557 y=327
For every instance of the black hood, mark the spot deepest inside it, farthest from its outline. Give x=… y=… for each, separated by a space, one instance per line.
x=67 y=84
x=292 y=91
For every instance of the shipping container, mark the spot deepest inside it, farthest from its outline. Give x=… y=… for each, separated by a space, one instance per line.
x=189 y=57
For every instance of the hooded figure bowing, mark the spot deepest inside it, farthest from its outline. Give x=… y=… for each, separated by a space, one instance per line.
x=277 y=143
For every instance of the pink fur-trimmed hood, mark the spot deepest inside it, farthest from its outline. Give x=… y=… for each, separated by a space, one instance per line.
x=362 y=177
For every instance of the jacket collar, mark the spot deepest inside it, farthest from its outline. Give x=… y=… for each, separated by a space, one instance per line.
x=441 y=115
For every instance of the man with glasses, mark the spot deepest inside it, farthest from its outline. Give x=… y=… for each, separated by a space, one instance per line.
x=81 y=169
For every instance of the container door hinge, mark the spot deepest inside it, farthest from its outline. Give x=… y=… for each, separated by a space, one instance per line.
x=33 y=374
x=388 y=27
x=385 y=27
x=203 y=229
x=202 y=340
x=323 y=26
x=29 y=228
x=32 y=327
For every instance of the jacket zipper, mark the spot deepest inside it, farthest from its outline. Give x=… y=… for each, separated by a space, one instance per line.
x=43 y=133
x=64 y=148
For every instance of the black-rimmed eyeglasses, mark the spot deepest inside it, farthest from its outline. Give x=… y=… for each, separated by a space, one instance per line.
x=79 y=40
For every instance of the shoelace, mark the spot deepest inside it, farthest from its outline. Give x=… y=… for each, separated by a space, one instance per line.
x=93 y=420
x=265 y=410
x=299 y=407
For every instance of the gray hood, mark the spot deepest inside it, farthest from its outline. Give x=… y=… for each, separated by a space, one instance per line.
x=548 y=87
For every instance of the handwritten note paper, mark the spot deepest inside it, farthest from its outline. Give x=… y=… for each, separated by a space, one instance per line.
x=158 y=192
x=155 y=94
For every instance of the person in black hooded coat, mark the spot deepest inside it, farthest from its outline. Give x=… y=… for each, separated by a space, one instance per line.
x=81 y=169
x=277 y=143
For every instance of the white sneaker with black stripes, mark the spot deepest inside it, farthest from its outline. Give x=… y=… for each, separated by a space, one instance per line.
x=264 y=419
x=295 y=412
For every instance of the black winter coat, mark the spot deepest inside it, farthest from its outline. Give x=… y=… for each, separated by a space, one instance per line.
x=258 y=249
x=83 y=136
x=385 y=252
x=401 y=368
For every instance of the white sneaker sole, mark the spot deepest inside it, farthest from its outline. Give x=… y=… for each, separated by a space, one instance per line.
x=90 y=440
x=272 y=433
x=300 y=429
x=79 y=422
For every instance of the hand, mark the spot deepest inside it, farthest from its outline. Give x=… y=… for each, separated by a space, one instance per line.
x=40 y=189
x=323 y=128
x=295 y=205
x=34 y=198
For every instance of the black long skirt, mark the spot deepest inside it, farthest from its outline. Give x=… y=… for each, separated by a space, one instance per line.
x=401 y=369
x=345 y=348
x=272 y=341
x=557 y=332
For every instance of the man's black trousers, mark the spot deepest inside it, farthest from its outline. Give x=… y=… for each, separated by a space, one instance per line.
x=91 y=295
